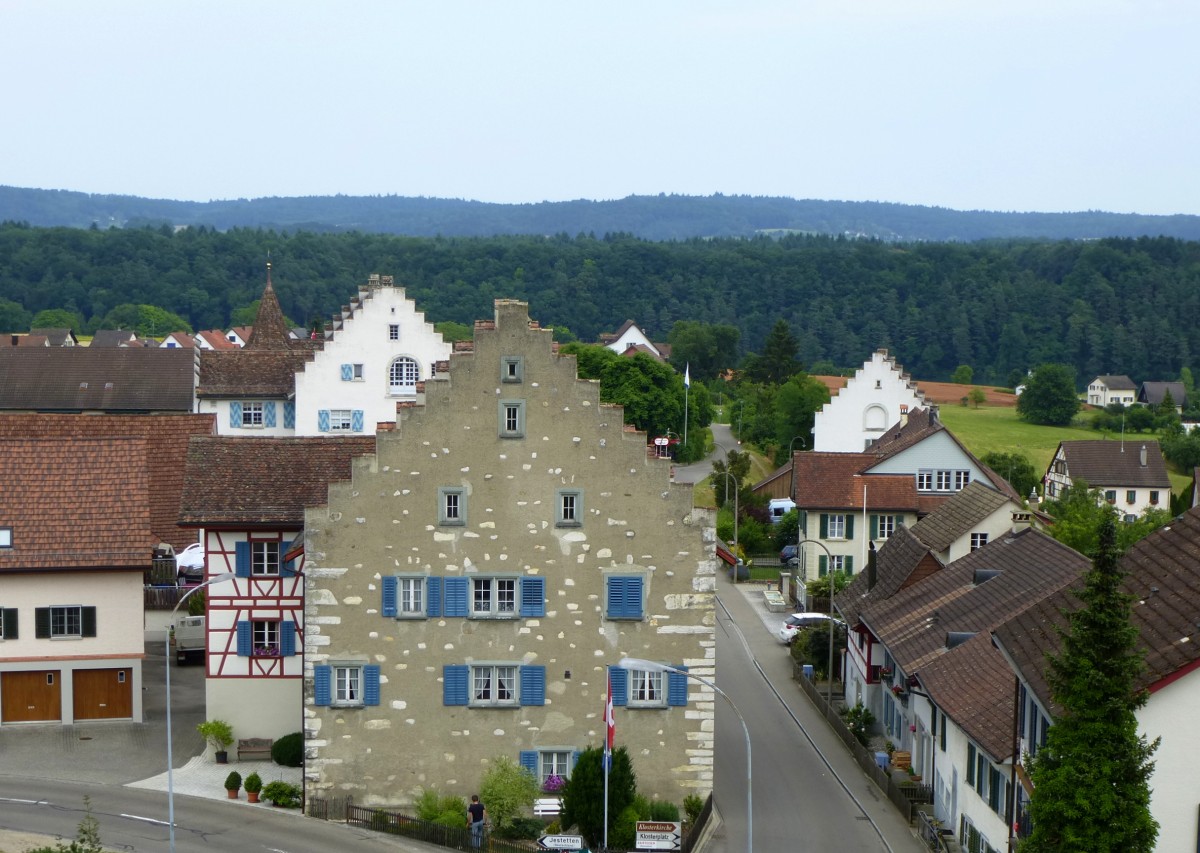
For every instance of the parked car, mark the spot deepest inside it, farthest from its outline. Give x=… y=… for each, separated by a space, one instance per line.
x=789 y=553
x=189 y=564
x=798 y=621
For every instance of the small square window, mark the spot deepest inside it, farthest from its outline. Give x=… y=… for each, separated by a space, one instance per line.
x=340 y=420
x=570 y=509
x=646 y=689
x=393 y=331
x=1153 y=502
x=347 y=685
x=494 y=685
x=265 y=638
x=452 y=506
x=924 y=481
x=493 y=596
x=1111 y=496
x=512 y=368
x=512 y=419
x=1130 y=496
x=252 y=414
x=6 y=538
x=66 y=621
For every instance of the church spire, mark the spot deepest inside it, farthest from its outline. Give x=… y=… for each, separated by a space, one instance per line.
x=270 y=329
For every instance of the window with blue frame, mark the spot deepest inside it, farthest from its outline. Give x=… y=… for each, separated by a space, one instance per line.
x=346 y=684
x=469 y=597
x=493 y=684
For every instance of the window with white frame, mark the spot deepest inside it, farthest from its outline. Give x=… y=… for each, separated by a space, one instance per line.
x=837 y=526
x=554 y=763
x=961 y=479
x=512 y=368
x=924 y=481
x=943 y=480
x=887 y=527
x=348 y=685
x=410 y=596
x=452 y=506
x=66 y=621
x=265 y=638
x=252 y=414
x=403 y=375
x=393 y=331
x=356 y=372
x=978 y=540
x=569 y=508
x=264 y=558
x=512 y=419
x=494 y=684
x=839 y=563
x=493 y=596
x=6 y=537
x=340 y=420
x=646 y=689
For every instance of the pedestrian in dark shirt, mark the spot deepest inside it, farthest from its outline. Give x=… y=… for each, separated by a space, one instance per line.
x=476 y=815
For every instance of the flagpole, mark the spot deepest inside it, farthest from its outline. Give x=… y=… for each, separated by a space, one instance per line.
x=687 y=387
x=609 y=730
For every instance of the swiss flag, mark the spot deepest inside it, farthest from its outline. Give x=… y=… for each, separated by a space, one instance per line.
x=609 y=722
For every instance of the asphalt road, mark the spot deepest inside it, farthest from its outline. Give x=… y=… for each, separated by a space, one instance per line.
x=808 y=793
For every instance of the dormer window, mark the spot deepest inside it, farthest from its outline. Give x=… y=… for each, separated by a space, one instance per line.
x=6 y=538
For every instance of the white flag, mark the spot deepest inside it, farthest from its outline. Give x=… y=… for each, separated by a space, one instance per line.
x=687 y=375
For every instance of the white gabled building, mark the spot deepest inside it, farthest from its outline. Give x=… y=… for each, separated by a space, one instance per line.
x=877 y=396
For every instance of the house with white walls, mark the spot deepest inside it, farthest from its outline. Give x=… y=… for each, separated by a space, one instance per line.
x=1109 y=390
x=245 y=501
x=875 y=398
x=1130 y=475
x=372 y=359
x=631 y=338
x=1162 y=576
x=472 y=590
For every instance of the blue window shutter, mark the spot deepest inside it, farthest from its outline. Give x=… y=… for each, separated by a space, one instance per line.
x=575 y=758
x=389 y=595
x=371 y=684
x=323 y=420
x=289 y=415
x=456 y=597
x=533 y=685
x=618 y=680
x=287 y=639
x=677 y=688
x=433 y=596
x=529 y=760
x=244 y=639
x=356 y=420
x=624 y=597
x=241 y=559
x=454 y=684
x=347 y=372
x=235 y=415
x=269 y=413
x=323 y=685
x=824 y=525
x=533 y=596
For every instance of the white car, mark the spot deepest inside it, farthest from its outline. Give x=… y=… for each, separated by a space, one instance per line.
x=189 y=563
x=794 y=623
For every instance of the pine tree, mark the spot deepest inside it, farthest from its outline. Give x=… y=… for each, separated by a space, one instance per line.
x=1092 y=778
x=583 y=798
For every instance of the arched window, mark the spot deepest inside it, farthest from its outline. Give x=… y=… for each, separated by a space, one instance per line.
x=875 y=418
x=403 y=376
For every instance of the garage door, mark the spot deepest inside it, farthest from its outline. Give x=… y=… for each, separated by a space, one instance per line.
x=103 y=694
x=30 y=697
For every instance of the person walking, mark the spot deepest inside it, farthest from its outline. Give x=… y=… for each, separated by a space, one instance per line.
x=476 y=816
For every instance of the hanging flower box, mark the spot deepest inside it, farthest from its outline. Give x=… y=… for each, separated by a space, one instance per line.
x=885 y=672
x=554 y=784
x=897 y=690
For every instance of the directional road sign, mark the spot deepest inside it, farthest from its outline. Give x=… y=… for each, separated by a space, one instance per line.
x=561 y=842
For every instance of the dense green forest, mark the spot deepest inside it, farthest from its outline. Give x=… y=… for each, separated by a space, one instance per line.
x=659 y=217
x=1107 y=306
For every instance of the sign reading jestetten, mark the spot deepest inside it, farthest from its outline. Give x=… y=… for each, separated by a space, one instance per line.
x=658 y=835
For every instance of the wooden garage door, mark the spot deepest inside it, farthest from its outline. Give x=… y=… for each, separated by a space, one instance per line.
x=30 y=696
x=103 y=694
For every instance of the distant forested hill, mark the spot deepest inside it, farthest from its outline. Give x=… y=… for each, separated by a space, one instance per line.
x=661 y=217
x=1107 y=306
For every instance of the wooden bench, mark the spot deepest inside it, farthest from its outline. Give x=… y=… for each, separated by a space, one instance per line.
x=255 y=748
x=547 y=807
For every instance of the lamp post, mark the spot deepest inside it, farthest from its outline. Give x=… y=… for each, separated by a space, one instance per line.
x=736 y=488
x=828 y=672
x=167 y=649
x=654 y=666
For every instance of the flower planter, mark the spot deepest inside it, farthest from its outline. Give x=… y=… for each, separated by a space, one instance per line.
x=233 y=795
x=252 y=796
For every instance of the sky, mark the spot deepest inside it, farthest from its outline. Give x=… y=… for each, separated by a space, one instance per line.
x=1025 y=105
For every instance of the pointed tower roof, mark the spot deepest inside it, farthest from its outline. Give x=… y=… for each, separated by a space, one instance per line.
x=270 y=328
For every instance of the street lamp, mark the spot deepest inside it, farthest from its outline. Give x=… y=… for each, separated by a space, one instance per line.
x=736 y=488
x=792 y=462
x=654 y=666
x=167 y=654
x=800 y=554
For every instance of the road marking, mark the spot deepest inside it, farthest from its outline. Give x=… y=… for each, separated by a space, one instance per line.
x=24 y=802
x=153 y=820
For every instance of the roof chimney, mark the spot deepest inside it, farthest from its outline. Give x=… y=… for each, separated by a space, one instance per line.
x=1142 y=456
x=1021 y=520
x=872 y=569
x=904 y=416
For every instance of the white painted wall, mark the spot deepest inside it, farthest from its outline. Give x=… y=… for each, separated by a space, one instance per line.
x=633 y=336
x=1168 y=715
x=863 y=410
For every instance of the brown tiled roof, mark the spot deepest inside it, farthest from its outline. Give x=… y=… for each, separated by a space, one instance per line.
x=902 y=561
x=79 y=503
x=112 y=338
x=831 y=481
x=184 y=339
x=914 y=623
x=263 y=481
x=270 y=330
x=166 y=438
x=1163 y=576
x=1118 y=382
x=216 y=339
x=113 y=379
x=250 y=373
x=55 y=337
x=958 y=515
x=1154 y=393
x=1116 y=463
x=973 y=685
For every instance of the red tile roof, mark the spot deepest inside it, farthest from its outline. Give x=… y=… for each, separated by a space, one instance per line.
x=80 y=503
x=834 y=481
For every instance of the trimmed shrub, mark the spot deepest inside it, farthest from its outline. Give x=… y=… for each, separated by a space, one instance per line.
x=664 y=811
x=289 y=750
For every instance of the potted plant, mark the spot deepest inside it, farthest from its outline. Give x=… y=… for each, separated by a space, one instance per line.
x=219 y=735
x=282 y=794
x=253 y=785
x=554 y=784
x=232 y=782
